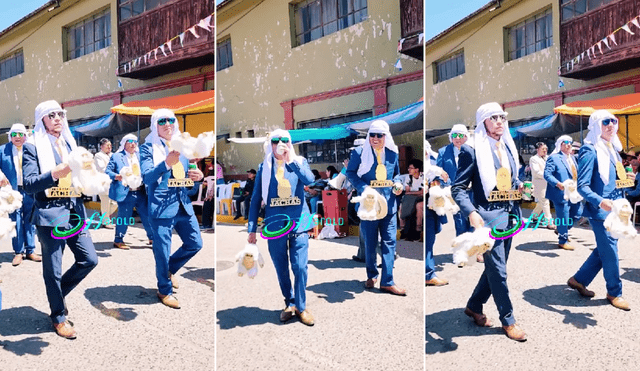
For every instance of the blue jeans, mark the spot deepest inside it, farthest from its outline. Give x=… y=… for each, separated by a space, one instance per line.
x=387 y=229
x=605 y=257
x=569 y=214
x=187 y=228
x=429 y=262
x=294 y=248
x=461 y=223
x=25 y=240
x=493 y=281
x=125 y=210
x=58 y=285
x=313 y=203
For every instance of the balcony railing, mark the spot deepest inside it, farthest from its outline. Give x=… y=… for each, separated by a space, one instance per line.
x=412 y=25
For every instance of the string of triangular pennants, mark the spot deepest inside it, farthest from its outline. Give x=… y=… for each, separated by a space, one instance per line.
x=205 y=23
x=398 y=64
x=591 y=51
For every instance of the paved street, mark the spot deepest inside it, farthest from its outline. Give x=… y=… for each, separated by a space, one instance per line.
x=565 y=331
x=121 y=324
x=355 y=329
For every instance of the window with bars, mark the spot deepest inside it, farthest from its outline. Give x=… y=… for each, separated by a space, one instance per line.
x=132 y=8
x=224 y=55
x=531 y=35
x=450 y=67
x=91 y=34
x=12 y=65
x=317 y=18
x=330 y=151
x=574 y=8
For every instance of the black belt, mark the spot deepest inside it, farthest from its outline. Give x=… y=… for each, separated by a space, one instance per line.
x=20 y=188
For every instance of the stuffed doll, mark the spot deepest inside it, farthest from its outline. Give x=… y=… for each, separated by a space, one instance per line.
x=571 y=191
x=618 y=222
x=191 y=147
x=129 y=179
x=248 y=260
x=467 y=245
x=373 y=205
x=84 y=176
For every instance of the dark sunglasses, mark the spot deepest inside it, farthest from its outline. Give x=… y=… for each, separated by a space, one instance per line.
x=132 y=141
x=166 y=120
x=495 y=118
x=376 y=135
x=457 y=135
x=13 y=135
x=567 y=141
x=606 y=122
x=276 y=140
x=52 y=115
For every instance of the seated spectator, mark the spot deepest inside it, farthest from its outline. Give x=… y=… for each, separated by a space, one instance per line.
x=245 y=195
x=412 y=206
x=633 y=195
x=332 y=172
x=313 y=192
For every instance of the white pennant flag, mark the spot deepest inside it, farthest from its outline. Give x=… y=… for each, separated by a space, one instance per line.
x=635 y=22
x=420 y=38
x=398 y=65
x=588 y=55
x=606 y=42
x=145 y=59
x=613 y=39
x=161 y=47
x=155 y=54
x=169 y=45
x=182 y=39
x=208 y=21
x=400 y=44
x=626 y=28
x=193 y=31
x=600 y=46
x=204 y=25
x=593 y=51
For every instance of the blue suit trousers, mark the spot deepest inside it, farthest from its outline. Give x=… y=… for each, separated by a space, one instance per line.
x=605 y=257
x=25 y=240
x=568 y=214
x=294 y=248
x=430 y=264
x=387 y=229
x=125 y=210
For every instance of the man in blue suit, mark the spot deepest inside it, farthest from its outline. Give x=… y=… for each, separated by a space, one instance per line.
x=599 y=169
x=279 y=184
x=11 y=159
x=164 y=172
x=491 y=168
x=560 y=167
x=127 y=156
x=377 y=162
x=433 y=227
x=45 y=166
x=448 y=161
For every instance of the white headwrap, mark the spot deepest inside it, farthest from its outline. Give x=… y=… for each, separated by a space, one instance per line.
x=429 y=151
x=483 y=148
x=46 y=159
x=124 y=140
x=458 y=129
x=268 y=156
x=17 y=128
x=594 y=137
x=378 y=126
x=159 y=153
x=559 y=141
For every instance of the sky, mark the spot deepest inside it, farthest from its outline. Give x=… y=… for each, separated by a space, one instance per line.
x=440 y=15
x=12 y=11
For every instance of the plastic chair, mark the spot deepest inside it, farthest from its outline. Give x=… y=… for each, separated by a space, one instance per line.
x=210 y=183
x=635 y=207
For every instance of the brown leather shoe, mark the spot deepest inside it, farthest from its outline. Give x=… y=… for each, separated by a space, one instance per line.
x=479 y=318
x=371 y=283
x=65 y=329
x=150 y=242
x=305 y=317
x=121 y=245
x=33 y=257
x=395 y=290
x=17 y=260
x=566 y=246
x=109 y=226
x=435 y=281
x=480 y=258
x=169 y=300
x=619 y=302
x=514 y=332
x=287 y=313
x=580 y=288
x=174 y=281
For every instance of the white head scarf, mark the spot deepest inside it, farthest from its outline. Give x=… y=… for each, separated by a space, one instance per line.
x=46 y=159
x=378 y=126
x=429 y=152
x=17 y=128
x=124 y=140
x=458 y=129
x=268 y=156
x=594 y=137
x=486 y=166
x=559 y=141
x=159 y=152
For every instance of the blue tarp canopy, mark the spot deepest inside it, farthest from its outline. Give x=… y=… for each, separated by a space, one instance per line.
x=403 y=120
x=538 y=128
x=317 y=134
x=111 y=125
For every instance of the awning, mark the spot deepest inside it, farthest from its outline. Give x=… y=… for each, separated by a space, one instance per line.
x=317 y=134
x=403 y=120
x=186 y=104
x=110 y=125
x=543 y=128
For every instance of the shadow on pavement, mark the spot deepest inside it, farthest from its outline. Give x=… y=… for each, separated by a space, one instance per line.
x=6 y=257
x=337 y=291
x=543 y=249
x=631 y=274
x=443 y=327
x=31 y=345
x=204 y=276
x=132 y=295
x=24 y=321
x=335 y=264
x=441 y=259
x=561 y=295
x=104 y=246
x=246 y=316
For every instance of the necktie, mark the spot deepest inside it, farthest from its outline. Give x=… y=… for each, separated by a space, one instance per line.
x=381 y=171
x=284 y=187
x=498 y=147
x=177 y=169
x=19 y=169
x=61 y=150
x=574 y=172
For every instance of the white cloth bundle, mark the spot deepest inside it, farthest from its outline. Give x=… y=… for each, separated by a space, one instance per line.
x=10 y=201
x=85 y=177
x=571 y=191
x=467 y=245
x=618 y=222
x=441 y=202
x=129 y=179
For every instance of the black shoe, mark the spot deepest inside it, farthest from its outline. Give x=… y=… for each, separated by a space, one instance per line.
x=356 y=258
x=236 y=217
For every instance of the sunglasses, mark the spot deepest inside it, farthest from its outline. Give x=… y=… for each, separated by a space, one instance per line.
x=606 y=122
x=495 y=118
x=376 y=135
x=13 y=135
x=132 y=141
x=166 y=120
x=567 y=142
x=276 y=140
x=52 y=115
x=457 y=135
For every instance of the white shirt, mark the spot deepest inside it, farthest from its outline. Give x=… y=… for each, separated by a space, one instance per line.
x=501 y=153
x=101 y=160
x=456 y=153
x=16 y=163
x=416 y=184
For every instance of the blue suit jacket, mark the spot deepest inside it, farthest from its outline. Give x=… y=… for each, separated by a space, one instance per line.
x=556 y=170
x=164 y=201
x=117 y=191
x=393 y=173
x=7 y=165
x=494 y=214
x=298 y=176
x=591 y=187
x=53 y=211
x=447 y=161
x=439 y=219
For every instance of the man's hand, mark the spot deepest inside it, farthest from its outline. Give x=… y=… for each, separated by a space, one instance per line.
x=172 y=158
x=60 y=171
x=118 y=177
x=252 y=238
x=397 y=189
x=476 y=220
x=521 y=188
x=606 y=205
x=560 y=186
x=631 y=176
x=444 y=176
x=195 y=175
x=4 y=182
